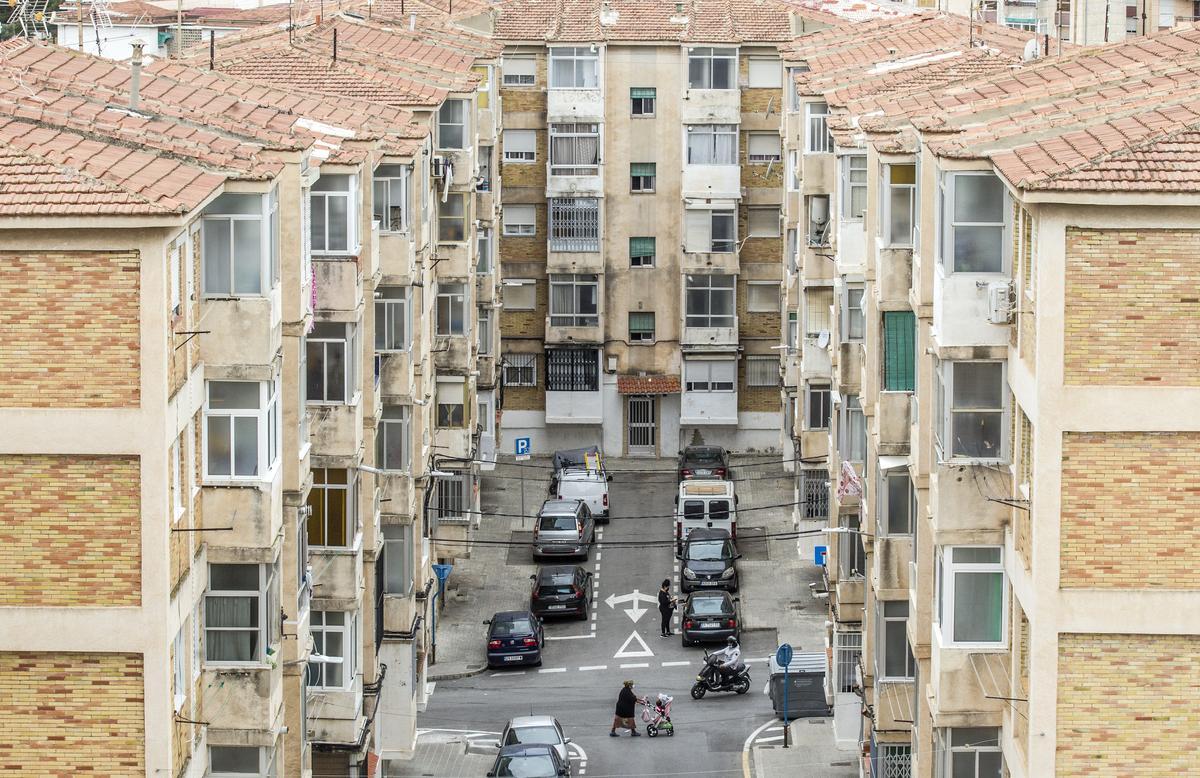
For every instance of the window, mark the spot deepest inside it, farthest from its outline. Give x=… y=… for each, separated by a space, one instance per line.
x=818 y=405
x=572 y=370
x=235 y=620
x=847 y=653
x=708 y=231
x=897 y=504
x=520 y=145
x=574 y=224
x=765 y=73
x=574 y=301
x=519 y=71
x=331 y=213
x=712 y=68
x=899 y=351
x=332 y=363
x=392 y=438
x=641 y=327
x=452 y=125
x=892 y=760
x=519 y=294
x=452 y=218
x=762 y=297
x=709 y=375
x=710 y=301
x=574 y=149
x=391 y=197
x=970 y=595
x=852 y=557
x=762 y=371
x=791 y=174
x=176 y=251
x=176 y=465
x=853 y=445
x=241 y=429
x=236 y=249
x=815 y=489
x=483 y=250
x=574 y=67
x=969 y=752
x=450 y=499
x=519 y=220
x=397 y=558
x=895 y=660
x=898 y=205
x=712 y=144
x=451 y=309
x=793 y=331
x=641 y=252
x=818 y=311
x=451 y=404
x=817 y=138
x=642 y=101
x=179 y=677
x=333 y=522
x=854 y=186
x=818 y=220
x=240 y=762
x=641 y=177
x=973 y=223
x=520 y=369
x=853 y=318
x=391 y=318
x=971 y=410
x=763 y=221
x=485 y=331
x=763 y=147
x=334 y=648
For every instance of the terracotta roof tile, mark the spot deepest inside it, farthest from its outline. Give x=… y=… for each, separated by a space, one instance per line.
x=648 y=384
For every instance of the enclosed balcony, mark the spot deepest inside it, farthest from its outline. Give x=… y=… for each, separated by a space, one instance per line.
x=339 y=283
x=240 y=331
x=709 y=391
x=573 y=386
x=710 y=317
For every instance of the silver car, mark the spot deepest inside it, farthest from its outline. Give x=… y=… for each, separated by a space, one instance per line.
x=539 y=730
x=564 y=528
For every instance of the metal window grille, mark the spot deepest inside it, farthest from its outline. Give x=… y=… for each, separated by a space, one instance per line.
x=451 y=499
x=762 y=371
x=520 y=370
x=894 y=761
x=815 y=483
x=899 y=355
x=574 y=224
x=847 y=649
x=572 y=370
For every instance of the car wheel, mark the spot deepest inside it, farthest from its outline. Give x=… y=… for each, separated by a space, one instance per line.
x=538 y=663
x=685 y=642
x=583 y=614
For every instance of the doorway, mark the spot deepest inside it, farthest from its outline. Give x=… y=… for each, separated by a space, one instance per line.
x=643 y=425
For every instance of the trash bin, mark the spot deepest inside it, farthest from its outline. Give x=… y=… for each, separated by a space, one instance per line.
x=806 y=686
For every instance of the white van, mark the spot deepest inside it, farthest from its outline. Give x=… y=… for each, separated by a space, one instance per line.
x=590 y=486
x=707 y=504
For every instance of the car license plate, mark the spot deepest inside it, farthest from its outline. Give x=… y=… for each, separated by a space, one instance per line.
x=703 y=472
x=709 y=625
x=513 y=658
x=556 y=607
x=708 y=583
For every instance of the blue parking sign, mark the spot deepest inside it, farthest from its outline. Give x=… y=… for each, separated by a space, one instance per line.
x=522 y=446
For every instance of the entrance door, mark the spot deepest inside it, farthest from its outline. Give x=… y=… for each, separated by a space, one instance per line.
x=643 y=426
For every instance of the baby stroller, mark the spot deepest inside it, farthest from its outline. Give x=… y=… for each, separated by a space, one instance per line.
x=657 y=715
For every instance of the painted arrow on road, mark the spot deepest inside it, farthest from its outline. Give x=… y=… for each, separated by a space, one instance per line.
x=633 y=597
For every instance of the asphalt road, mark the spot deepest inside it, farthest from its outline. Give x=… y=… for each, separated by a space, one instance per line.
x=583 y=667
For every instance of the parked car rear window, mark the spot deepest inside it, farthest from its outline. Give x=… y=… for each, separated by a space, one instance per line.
x=550 y=591
x=518 y=626
x=708 y=606
x=547 y=735
x=526 y=767
x=566 y=523
x=704 y=457
x=708 y=550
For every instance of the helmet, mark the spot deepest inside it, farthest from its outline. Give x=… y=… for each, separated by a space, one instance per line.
x=731 y=641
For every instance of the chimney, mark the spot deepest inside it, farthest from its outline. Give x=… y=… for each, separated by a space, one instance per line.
x=412 y=21
x=135 y=76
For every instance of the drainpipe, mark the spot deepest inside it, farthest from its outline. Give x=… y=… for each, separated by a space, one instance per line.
x=135 y=76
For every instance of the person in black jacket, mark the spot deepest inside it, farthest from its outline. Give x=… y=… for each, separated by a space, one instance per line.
x=666 y=606
x=626 y=705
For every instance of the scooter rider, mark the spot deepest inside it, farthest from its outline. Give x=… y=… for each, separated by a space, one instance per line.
x=730 y=658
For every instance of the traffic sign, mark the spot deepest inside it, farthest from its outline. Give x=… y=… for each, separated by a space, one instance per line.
x=783 y=655
x=522 y=448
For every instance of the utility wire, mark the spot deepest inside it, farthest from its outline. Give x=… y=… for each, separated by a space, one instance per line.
x=656 y=543
x=735 y=509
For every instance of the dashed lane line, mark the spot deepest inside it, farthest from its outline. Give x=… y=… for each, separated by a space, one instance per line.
x=633 y=665
x=553 y=670
x=683 y=663
x=593 y=667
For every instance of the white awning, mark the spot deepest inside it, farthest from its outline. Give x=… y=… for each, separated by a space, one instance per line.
x=892 y=463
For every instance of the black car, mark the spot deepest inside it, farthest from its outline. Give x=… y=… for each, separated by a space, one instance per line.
x=708 y=561
x=561 y=590
x=710 y=617
x=529 y=761
x=514 y=638
x=703 y=462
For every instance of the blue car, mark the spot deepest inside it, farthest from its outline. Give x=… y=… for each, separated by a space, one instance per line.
x=514 y=638
x=529 y=761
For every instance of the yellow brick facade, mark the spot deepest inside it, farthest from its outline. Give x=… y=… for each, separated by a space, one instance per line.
x=1127 y=706
x=70 y=531
x=1129 y=508
x=1132 y=307
x=71 y=323
x=72 y=714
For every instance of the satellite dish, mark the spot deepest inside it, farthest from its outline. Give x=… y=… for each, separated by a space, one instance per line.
x=1031 y=50
x=823 y=339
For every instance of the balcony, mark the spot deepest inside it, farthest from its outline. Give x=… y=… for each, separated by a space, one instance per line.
x=399 y=610
x=246 y=698
x=485 y=204
x=892 y=422
x=965 y=681
x=893 y=705
x=339 y=283
x=891 y=565
x=463 y=162
x=576 y=184
x=708 y=408
x=454 y=262
x=849 y=366
x=567 y=335
x=574 y=407
x=849 y=593
x=961 y=514
x=338 y=577
x=814 y=443
x=711 y=106
x=816 y=267
x=575 y=105
x=241 y=331
x=961 y=309
x=397 y=260
x=396 y=377
x=254 y=512
x=712 y=181
x=452 y=354
x=791 y=369
x=486 y=365
x=453 y=441
x=336 y=430
x=893 y=275
x=724 y=262
x=396 y=494
x=700 y=337
x=816 y=361
x=336 y=715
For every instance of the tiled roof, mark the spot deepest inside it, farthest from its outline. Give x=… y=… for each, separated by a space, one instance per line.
x=648 y=384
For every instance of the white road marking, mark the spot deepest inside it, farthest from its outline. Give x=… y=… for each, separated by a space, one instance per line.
x=553 y=670
x=585 y=668
x=571 y=637
x=632 y=665
x=684 y=663
x=508 y=672
x=594 y=614
x=598 y=553
x=763 y=659
x=625 y=652
x=771 y=739
x=775 y=729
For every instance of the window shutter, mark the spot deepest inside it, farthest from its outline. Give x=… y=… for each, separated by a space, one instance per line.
x=641 y=169
x=899 y=340
x=641 y=247
x=639 y=92
x=696 y=230
x=640 y=321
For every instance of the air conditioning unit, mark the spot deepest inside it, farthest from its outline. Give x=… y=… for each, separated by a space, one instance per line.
x=437 y=166
x=1001 y=302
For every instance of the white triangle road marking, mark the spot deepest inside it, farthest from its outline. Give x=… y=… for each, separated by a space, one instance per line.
x=625 y=652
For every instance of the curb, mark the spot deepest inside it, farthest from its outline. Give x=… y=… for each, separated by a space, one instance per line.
x=454 y=675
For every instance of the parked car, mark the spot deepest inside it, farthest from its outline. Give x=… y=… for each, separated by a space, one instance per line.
x=514 y=638
x=535 y=730
x=529 y=761
x=703 y=462
x=708 y=561
x=561 y=590
x=564 y=528
x=578 y=458
x=710 y=617
x=591 y=486
x=704 y=505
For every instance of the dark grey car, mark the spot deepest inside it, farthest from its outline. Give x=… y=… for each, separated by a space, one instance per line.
x=564 y=528
x=708 y=561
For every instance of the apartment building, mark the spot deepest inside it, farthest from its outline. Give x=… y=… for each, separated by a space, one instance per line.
x=1016 y=373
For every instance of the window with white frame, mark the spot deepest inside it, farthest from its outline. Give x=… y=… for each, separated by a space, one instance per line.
x=391 y=318
x=763 y=147
x=331 y=206
x=847 y=652
x=236 y=245
x=302 y=422
x=574 y=223
x=973 y=223
x=390 y=187
x=332 y=664
x=972 y=410
x=574 y=300
x=793 y=331
x=763 y=221
x=392 y=441
x=709 y=300
x=712 y=68
x=971 y=592
x=485 y=330
x=899 y=202
x=176 y=464
x=641 y=326
x=818 y=219
x=451 y=404
x=179 y=676
x=818 y=406
x=817 y=139
x=519 y=294
x=642 y=176
x=176 y=251
x=853 y=318
x=642 y=251
x=451 y=309
x=452 y=127
x=852 y=556
x=853 y=444
x=574 y=67
x=519 y=220
x=483 y=250
x=642 y=101
x=332 y=362
x=239 y=622
x=241 y=762
x=854 y=186
x=762 y=297
x=712 y=144
x=520 y=145
x=241 y=429
x=397 y=558
x=709 y=375
x=574 y=149
x=520 y=369
x=818 y=311
x=452 y=218
x=792 y=174
x=897 y=502
x=519 y=71
x=304 y=582
x=764 y=73
x=894 y=659
x=762 y=371
x=791 y=256
x=450 y=499
x=969 y=752
x=710 y=231
x=333 y=520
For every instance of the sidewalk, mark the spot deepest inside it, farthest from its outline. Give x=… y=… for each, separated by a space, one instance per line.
x=442 y=753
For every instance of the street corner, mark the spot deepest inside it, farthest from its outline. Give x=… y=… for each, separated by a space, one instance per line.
x=803 y=746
